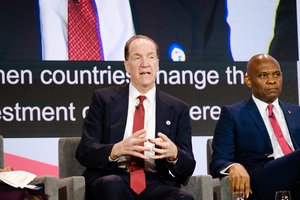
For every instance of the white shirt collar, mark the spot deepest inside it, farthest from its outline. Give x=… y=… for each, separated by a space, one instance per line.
x=263 y=105
x=134 y=93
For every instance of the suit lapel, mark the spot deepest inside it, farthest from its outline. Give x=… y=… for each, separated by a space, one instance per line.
x=288 y=115
x=118 y=107
x=256 y=117
x=164 y=114
x=164 y=120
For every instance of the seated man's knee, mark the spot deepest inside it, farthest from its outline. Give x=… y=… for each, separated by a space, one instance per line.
x=185 y=195
x=111 y=183
x=107 y=187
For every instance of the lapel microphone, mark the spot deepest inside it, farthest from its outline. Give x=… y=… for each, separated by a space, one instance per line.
x=137 y=104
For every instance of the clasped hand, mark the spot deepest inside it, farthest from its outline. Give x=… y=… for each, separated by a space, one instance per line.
x=131 y=147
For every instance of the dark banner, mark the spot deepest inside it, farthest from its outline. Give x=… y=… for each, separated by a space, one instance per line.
x=50 y=99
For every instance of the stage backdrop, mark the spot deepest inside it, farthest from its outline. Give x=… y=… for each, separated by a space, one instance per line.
x=49 y=100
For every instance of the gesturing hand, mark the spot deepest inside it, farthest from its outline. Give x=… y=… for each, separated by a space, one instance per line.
x=131 y=146
x=167 y=148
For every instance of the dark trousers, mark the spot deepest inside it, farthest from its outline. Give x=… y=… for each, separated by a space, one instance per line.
x=280 y=174
x=8 y=192
x=116 y=187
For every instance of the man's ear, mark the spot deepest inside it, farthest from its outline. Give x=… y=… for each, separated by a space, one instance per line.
x=247 y=81
x=126 y=66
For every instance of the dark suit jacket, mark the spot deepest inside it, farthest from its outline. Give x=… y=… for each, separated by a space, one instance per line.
x=20 y=33
x=105 y=125
x=241 y=136
x=199 y=26
x=284 y=45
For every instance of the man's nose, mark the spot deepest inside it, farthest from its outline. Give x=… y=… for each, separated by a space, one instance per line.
x=271 y=78
x=145 y=62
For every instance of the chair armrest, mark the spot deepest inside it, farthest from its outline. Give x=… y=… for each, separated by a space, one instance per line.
x=217 y=188
x=225 y=188
x=201 y=187
x=72 y=188
x=221 y=188
x=50 y=185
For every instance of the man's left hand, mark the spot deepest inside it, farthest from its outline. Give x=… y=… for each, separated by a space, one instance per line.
x=167 y=148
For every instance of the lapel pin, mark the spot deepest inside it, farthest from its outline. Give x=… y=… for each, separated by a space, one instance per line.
x=290 y=112
x=168 y=122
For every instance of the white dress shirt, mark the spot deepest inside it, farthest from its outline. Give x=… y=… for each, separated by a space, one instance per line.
x=150 y=117
x=116 y=27
x=262 y=107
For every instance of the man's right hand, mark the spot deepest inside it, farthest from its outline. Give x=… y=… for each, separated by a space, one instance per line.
x=239 y=180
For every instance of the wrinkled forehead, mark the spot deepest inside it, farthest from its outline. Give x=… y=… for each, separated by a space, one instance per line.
x=141 y=42
x=141 y=45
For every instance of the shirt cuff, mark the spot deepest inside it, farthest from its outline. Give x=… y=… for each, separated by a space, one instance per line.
x=224 y=171
x=172 y=161
x=111 y=160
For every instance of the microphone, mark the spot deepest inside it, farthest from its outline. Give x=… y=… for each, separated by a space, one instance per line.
x=137 y=104
x=271 y=115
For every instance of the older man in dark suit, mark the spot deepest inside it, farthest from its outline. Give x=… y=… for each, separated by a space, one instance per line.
x=110 y=142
